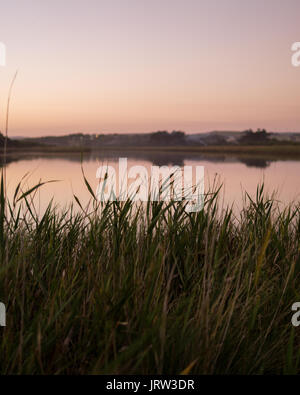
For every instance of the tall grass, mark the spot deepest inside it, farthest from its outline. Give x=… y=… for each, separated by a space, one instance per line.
x=119 y=289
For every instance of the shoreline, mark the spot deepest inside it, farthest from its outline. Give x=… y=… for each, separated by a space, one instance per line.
x=284 y=150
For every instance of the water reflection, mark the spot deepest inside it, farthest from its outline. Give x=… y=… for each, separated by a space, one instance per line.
x=237 y=173
x=256 y=162
x=159 y=158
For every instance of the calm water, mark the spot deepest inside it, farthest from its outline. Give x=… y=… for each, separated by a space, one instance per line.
x=237 y=174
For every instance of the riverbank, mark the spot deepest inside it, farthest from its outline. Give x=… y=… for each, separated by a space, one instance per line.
x=281 y=150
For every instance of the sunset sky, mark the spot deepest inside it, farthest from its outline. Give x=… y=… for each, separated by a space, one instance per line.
x=138 y=66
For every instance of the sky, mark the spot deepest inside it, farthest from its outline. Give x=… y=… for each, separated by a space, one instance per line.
x=121 y=66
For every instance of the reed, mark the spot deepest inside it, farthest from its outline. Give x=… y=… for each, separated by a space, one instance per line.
x=116 y=288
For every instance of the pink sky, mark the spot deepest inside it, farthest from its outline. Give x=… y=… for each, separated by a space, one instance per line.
x=139 y=66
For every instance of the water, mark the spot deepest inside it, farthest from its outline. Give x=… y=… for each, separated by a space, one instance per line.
x=237 y=174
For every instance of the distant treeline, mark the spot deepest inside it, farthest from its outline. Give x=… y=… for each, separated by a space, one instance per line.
x=159 y=139
x=11 y=143
x=102 y=140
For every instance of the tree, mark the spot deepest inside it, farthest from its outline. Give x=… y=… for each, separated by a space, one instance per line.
x=255 y=138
